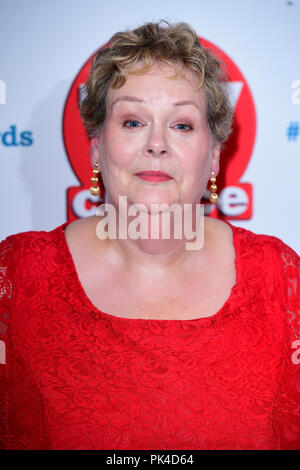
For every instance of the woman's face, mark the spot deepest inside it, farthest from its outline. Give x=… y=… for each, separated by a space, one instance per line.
x=159 y=124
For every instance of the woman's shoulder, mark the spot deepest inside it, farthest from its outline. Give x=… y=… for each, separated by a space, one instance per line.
x=32 y=234
x=29 y=246
x=80 y=228
x=39 y=245
x=262 y=256
x=254 y=242
x=24 y=258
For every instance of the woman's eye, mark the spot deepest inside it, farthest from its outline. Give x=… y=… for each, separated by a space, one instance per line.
x=131 y=123
x=183 y=127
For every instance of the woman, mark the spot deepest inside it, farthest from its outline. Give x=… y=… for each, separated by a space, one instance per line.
x=139 y=343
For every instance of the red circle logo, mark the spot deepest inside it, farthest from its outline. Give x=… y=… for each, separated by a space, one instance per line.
x=235 y=198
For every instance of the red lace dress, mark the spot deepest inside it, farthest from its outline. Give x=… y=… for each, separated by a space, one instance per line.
x=74 y=377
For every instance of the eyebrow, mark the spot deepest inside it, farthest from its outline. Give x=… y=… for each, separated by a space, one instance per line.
x=187 y=102
x=138 y=100
x=127 y=98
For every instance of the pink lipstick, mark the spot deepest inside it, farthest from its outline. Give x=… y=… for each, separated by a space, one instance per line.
x=153 y=176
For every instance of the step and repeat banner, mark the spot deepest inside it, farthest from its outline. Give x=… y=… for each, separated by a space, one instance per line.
x=45 y=53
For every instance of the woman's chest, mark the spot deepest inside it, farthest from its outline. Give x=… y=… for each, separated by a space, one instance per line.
x=199 y=288
x=196 y=295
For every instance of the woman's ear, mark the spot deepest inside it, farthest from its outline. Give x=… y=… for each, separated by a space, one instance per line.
x=215 y=162
x=95 y=151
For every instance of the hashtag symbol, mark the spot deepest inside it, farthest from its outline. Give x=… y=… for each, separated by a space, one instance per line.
x=293 y=130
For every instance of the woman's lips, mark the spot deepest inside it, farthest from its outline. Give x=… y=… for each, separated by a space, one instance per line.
x=153 y=176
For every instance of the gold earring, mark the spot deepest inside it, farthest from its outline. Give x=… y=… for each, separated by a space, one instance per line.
x=95 y=190
x=213 y=195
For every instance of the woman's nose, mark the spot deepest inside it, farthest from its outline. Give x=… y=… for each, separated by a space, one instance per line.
x=156 y=144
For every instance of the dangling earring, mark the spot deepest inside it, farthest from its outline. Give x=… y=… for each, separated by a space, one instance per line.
x=95 y=190
x=213 y=196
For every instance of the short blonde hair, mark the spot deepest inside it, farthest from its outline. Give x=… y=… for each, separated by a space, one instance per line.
x=149 y=44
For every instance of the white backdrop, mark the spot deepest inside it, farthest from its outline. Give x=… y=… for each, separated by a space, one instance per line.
x=44 y=44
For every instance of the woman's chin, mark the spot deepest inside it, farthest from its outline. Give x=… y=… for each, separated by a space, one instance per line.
x=153 y=195
x=152 y=204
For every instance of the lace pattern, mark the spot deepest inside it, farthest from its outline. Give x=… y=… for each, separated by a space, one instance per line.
x=78 y=378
